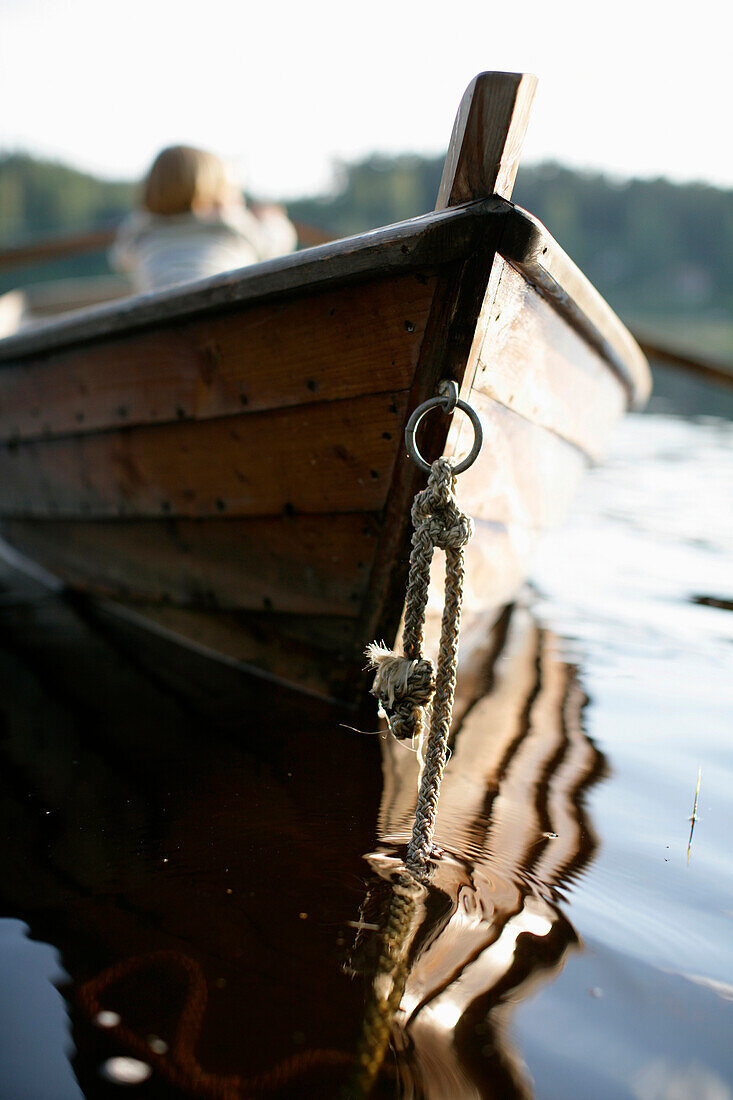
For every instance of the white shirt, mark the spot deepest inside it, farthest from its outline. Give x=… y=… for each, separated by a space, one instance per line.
x=158 y=251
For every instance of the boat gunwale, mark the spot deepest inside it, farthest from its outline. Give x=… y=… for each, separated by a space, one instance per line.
x=437 y=238
x=533 y=252
x=359 y=257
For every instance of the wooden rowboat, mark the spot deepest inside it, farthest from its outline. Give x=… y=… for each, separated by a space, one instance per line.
x=224 y=463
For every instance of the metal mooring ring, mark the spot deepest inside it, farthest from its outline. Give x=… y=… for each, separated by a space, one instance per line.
x=446 y=401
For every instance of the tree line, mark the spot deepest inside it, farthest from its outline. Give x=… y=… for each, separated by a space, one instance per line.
x=653 y=248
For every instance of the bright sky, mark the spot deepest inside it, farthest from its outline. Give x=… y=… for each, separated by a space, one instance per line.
x=287 y=89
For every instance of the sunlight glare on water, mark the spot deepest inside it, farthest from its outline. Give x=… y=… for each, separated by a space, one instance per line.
x=227 y=902
x=650 y=539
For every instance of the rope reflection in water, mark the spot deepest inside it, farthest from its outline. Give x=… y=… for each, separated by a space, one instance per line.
x=513 y=834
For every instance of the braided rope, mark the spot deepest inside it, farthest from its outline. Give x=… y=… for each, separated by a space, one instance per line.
x=406 y=685
x=388 y=985
x=406 y=688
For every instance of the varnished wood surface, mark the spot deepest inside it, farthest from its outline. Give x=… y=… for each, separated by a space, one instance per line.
x=531 y=360
x=487 y=139
x=180 y=450
x=446 y=236
x=444 y=354
x=322 y=347
x=438 y=238
x=525 y=475
x=329 y=457
x=528 y=246
x=317 y=565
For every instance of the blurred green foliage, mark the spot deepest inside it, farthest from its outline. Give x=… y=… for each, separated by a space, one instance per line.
x=654 y=249
x=38 y=198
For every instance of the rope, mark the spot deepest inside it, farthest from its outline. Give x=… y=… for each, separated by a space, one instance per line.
x=405 y=685
x=178 y=1065
x=407 y=688
x=388 y=986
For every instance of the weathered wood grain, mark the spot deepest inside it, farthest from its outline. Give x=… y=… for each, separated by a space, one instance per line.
x=482 y=160
x=532 y=361
x=525 y=476
x=487 y=139
x=330 y=457
x=529 y=248
x=444 y=353
x=321 y=347
x=186 y=446
x=431 y=240
x=316 y=565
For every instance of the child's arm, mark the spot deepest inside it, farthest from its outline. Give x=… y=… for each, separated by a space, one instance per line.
x=277 y=231
x=267 y=228
x=123 y=255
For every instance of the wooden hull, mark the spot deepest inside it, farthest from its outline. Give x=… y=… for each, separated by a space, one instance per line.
x=225 y=461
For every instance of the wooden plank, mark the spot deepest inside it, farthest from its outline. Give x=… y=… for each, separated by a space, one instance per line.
x=717 y=373
x=237 y=698
x=332 y=457
x=529 y=248
x=482 y=160
x=496 y=564
x=525 y=476
x=497 y=559
x=447 y=236
x=444 y=353
x=442 y=237
x=299 y=564
x=532 y=361
x=487 y=139
x=321 y=347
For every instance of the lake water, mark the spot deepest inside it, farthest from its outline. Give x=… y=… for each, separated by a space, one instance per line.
x=196 y=906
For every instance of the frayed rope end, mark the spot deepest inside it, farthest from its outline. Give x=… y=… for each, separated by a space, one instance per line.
x=403 y=687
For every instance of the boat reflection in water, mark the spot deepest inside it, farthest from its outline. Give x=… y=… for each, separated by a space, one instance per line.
x=202 y=889
x=512 y=834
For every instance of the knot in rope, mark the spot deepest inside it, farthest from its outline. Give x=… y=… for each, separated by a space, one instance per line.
x=404 y=688
x=405 y=685
x=435 y=516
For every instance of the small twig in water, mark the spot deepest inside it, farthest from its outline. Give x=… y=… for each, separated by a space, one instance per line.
x=693 y=819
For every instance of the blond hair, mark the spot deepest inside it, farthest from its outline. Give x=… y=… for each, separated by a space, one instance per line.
x=182 y=179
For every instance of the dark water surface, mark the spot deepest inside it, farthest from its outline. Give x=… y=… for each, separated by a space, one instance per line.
x=196 y=893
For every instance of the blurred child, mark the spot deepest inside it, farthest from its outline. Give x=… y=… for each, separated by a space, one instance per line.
x=193 y=222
